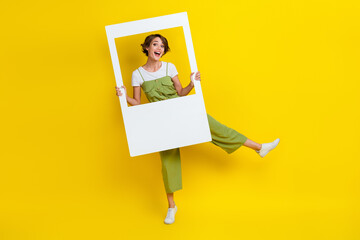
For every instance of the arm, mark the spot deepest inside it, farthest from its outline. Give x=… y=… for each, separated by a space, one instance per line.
x=184 y=91
x=132 y=101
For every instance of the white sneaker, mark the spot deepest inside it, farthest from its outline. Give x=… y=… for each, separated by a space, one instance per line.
x=170 y=216
x=267 y=147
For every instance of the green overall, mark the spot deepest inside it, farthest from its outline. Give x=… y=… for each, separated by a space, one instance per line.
x=226 y=138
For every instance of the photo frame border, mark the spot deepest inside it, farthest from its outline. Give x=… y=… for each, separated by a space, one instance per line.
x=196 y=100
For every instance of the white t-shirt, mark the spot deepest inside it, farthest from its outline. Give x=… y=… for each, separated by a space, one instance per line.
x=136 y=79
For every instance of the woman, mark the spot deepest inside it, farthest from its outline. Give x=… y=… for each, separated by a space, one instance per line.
x=159 y=81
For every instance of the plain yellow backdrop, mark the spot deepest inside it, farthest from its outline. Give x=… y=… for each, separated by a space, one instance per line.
x=287 y=69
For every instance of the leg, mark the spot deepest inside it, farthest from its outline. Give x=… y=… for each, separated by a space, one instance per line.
x=251 y=144
x=171 y=170
x=170 y=216
x=226 y=138
x=170 y=197
x=230 y=140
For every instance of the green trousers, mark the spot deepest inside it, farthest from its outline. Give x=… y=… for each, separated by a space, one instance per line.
x=226 y=138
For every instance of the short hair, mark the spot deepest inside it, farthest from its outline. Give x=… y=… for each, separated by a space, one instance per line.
x=151 y=37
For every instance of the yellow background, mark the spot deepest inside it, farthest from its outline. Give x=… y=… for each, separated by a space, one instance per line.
x=286 y=69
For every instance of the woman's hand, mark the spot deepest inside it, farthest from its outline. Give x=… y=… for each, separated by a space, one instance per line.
x=118 y=91
x=131 y=101
x=196 y=77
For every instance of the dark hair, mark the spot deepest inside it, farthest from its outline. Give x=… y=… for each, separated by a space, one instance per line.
x=151 y=37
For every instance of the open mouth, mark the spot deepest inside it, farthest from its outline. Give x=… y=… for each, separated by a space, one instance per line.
x=157 y=54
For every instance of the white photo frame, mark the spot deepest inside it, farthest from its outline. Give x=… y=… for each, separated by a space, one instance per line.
x=166 y=124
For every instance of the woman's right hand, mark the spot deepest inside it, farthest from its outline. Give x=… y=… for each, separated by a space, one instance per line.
x=131 y=101
x=118 y=90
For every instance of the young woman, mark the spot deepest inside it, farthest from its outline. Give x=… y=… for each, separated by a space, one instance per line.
x=159 y=81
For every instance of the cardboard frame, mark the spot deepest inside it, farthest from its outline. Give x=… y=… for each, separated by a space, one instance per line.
x=167 y=124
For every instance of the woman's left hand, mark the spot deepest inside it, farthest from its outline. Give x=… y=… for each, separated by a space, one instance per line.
x=197 y=76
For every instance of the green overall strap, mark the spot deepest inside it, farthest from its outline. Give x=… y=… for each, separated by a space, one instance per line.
x=141 y=75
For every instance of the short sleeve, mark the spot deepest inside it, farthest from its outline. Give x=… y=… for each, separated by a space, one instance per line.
x=172 y=70
x=136 y=79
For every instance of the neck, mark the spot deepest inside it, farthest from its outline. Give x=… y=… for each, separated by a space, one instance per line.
x=152 y=65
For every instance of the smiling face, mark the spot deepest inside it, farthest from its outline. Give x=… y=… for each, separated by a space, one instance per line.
x=156 y=49
x=155 y=46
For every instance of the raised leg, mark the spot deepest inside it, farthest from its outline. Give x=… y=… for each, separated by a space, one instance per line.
x=253 y=145
x=226 y=138
x=230 y=140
